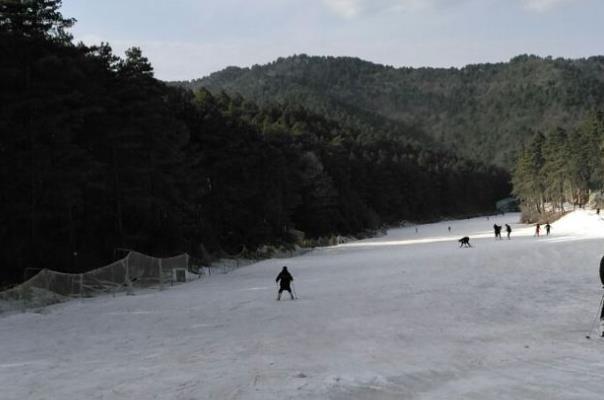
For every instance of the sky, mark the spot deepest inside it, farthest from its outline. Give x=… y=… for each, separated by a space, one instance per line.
x=189 y=39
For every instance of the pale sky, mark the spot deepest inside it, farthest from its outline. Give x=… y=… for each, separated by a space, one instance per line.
x=187 y=39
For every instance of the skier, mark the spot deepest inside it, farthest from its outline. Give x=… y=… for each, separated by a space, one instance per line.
x=508 y=229
x=464 y=241
x=284 y=278
x=601 y=301
x=601 y=323
x=449 y=229
x=537 y=230
x=547 y=228
x=497 y=229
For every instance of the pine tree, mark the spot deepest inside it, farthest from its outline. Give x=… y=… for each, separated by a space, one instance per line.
x=555 y=169
x=528 y=181
x=34 y=18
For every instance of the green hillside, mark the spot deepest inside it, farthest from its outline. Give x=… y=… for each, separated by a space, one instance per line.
x=484 y=111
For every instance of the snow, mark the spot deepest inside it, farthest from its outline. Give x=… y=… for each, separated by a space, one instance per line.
x=405 y=316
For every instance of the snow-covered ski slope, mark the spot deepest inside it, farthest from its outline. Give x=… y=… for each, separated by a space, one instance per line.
x=405 y=316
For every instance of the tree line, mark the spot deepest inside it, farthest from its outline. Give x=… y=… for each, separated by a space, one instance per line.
x=560 y=167
x=97 y=155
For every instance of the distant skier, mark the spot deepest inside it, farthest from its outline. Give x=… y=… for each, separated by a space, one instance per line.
x=508 y=229
x=284 y=278
x=464 y=241
x=602 y=322
x=537 y=229
x=598 y=211
x=602 y=308
x=449 y=229
x=497 y=230
x=547 y=228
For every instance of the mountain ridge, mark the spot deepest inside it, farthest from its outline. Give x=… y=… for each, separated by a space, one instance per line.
x=482 y=111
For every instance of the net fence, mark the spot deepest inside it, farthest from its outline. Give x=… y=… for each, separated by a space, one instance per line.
x=135 y=270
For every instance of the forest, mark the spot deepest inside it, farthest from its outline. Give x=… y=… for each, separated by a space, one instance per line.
x=485 y=112
x=96 y=155
x=561 y=168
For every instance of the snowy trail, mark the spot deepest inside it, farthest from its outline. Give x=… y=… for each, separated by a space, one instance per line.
x=405 y=316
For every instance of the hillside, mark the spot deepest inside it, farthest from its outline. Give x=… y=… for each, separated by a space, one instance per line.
x=98 y=155
x=484 y=111
x=408 y=315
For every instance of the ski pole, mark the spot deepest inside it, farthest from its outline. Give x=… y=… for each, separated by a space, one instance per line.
x=588 y=336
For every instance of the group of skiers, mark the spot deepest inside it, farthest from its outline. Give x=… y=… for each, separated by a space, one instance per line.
x=548 y=227
x=497 y=229
x=508 y=229
x=465 y=241
x=285 y=279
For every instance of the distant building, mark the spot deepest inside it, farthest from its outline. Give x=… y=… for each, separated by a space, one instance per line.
x=509 y=204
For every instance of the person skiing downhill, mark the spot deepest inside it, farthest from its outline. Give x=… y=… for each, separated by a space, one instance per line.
x=284 y=278
x=601 y=322
x=547 y=228
x=508 y=229
x=537 y=230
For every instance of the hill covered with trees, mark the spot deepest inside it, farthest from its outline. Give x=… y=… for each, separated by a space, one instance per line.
x=561 y=167
x=96 y=154
x=486 y=112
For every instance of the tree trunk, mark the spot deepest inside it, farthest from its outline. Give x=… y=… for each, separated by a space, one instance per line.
x=118 y=198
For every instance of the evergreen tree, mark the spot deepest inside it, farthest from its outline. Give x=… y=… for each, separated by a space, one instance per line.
x=528 y=181
x=34 y=18
x=556 y=167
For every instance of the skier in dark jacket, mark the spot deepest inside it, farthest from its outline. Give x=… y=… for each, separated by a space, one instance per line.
x=508 y=229
x=497 y=230
x=284 y=278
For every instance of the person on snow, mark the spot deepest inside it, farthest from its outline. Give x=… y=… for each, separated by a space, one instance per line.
x=464 y=241
x=602 y=308
x=508 y=229
x=497 y=229
x=284 y=278
x=601 y=322
x=547 y=228
x=537 y=229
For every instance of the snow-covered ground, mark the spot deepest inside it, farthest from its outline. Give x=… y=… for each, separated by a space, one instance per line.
x=405 y=316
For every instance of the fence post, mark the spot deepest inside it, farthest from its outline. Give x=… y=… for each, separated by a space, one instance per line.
x=129 y=290
x=126 y=264
x=22 y=296
x=161 y=275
